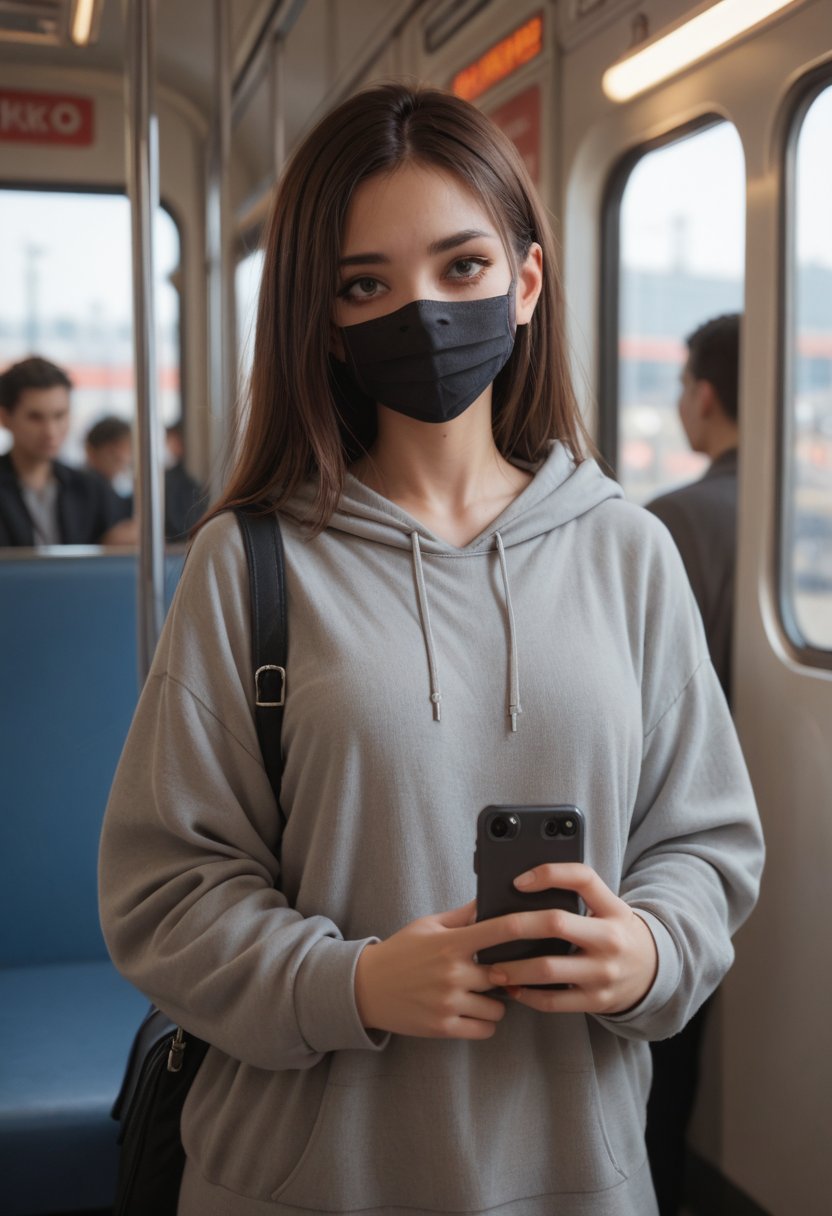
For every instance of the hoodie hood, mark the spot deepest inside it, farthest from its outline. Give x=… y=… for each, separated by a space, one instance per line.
x=559 y=492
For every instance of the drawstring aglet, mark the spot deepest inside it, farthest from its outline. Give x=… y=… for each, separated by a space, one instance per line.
x=436 y=698
x=514 y=710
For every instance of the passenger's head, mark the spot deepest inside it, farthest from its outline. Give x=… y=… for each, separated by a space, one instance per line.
x=389 y=148
x=34 y=406
x=175 y=442
x=710 y=382
x=109 y=447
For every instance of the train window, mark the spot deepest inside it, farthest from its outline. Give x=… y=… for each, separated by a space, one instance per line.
x=674 y=258
x=247 y=286
x=67 y=296
x=806 y=550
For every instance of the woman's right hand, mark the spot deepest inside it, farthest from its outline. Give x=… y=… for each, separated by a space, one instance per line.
x=423 y=980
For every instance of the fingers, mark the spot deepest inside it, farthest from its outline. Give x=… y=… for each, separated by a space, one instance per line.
x=473 y=1017
x=572 y=876
x=548 y=969
x=485 y=1008
x=580 y=930
x=470 y=1028
x=570 y=1000
x=459 y=918
x=478 y=1018
x=584 y=932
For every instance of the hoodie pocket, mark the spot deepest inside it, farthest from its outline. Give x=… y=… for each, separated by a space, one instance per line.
x=461 y=1139
x=246 y=1129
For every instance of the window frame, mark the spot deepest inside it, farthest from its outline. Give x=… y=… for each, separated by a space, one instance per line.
x=797 y=104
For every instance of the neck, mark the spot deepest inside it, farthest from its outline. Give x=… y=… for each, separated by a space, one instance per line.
x=33 y=471
x=444 y=465
x=722 y=440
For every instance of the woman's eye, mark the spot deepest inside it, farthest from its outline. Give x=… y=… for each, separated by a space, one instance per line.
x=467 y=268
x=360 y=289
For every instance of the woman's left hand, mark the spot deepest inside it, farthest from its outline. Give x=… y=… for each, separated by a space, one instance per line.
x=615 y=961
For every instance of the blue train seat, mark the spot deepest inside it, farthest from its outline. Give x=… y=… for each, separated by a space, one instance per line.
x=69 y=688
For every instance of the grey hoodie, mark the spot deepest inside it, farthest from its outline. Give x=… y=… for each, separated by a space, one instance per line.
x=569 y=618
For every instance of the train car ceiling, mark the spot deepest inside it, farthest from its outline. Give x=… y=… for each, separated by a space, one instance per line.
x=50 y=22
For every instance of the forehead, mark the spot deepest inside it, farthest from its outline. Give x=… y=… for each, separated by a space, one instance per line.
x=53 y=400
x=409 y=208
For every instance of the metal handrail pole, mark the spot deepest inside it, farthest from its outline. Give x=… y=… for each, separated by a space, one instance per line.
x=143 y=190
x=277 y=69
x=278 y=23
x=220 y=254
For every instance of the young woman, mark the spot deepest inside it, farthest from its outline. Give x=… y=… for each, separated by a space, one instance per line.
x=475 y=617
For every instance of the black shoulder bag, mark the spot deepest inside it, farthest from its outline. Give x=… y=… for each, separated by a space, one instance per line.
x=164 y=1058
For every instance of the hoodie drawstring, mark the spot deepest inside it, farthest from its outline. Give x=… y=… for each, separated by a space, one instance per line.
x=514 y=707
x=435 y=694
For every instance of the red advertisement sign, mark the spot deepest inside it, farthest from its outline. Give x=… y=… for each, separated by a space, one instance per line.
x=45 y=118
x=520 y=119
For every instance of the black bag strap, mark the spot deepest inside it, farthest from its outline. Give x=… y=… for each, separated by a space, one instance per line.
x=267 y=584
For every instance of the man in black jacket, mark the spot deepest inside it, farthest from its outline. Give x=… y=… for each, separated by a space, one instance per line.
x=42 y=501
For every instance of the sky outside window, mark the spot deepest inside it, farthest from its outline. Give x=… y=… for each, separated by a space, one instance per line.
x=682 y=250
x=68 y=297
x=807 y=539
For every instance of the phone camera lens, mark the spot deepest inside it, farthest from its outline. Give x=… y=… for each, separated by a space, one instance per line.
x=569 y=827
x=504 y=827
x=551 y=827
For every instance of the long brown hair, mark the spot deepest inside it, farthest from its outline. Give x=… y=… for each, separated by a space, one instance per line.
x=297 y=427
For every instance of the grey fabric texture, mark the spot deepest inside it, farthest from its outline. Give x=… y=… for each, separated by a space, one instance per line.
x=702 y=519
x=588 y=616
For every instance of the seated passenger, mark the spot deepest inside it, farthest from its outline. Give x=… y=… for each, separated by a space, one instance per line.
x=185 y=499
x=109 y=451
x=42 y=501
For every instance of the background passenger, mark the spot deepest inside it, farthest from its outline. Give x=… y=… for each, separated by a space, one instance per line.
x=42 y=501
x=475 y=616
x=185 y=499
x=109 y=452
x=109 y=449
x=702 y=518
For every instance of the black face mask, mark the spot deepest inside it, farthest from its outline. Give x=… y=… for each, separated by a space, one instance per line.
x=431 y=360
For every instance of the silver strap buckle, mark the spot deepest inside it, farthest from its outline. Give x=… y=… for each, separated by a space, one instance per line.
x=258 y=694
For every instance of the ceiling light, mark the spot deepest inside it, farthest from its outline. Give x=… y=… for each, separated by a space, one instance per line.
x=694 y=39
x=81 y=22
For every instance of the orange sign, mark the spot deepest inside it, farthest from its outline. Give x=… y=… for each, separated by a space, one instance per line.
x=500 y=60
x=45 y=118
x=520 y=119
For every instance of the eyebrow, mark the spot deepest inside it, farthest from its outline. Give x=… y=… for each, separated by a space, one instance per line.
x=440 y=246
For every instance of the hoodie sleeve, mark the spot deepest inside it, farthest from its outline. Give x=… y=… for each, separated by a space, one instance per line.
x=695 y=850
x=188 y=870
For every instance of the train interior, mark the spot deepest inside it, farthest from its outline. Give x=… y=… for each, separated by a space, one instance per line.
x=140 y=143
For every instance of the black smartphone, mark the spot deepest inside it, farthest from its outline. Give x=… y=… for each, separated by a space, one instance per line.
x=511 y=840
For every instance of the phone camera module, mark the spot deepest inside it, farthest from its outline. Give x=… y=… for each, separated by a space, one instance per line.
x=503 y=827
x=569 y=826
x=551 y=828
